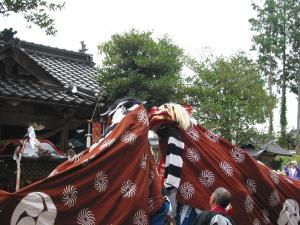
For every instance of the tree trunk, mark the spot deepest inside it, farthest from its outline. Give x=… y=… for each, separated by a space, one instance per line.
x=298 y=115
x=270 y=84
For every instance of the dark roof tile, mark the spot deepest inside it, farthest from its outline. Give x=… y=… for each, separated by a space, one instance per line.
x=17 y=88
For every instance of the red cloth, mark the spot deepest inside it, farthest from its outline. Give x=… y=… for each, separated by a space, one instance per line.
x=218 y=209
x=109 y=184
x=259 y=194
x=96 y=131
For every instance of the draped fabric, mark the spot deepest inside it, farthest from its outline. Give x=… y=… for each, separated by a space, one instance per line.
x=259 y=195
x=113 y=183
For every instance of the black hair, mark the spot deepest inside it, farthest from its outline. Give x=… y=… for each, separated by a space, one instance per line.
x=222 y=197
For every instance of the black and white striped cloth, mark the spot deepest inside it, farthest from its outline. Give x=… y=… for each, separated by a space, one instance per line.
x=174 y=161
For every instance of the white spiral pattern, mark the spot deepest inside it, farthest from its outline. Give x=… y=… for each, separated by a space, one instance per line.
x=128 y=138
x=274 y=176
x=265 y=216
x=69 y=197
x=140 y=218
x=107 y=143
x=256 y=222
x=251 y=185
x=76 y=158
x=128 y=189
x=151 y=176
x=143 y=162
x=101 y=181
x=151 y=204
x=237 y=154
x=86 y=217
x=193 y=133
x=249 y=204
x=212 y=136
x=207 y=178
x=193 y=155
x=274 y=199
x=187 y=190
x=143 y=118
x=226 y=168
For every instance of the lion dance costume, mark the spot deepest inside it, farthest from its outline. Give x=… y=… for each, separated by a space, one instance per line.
x=195 y=161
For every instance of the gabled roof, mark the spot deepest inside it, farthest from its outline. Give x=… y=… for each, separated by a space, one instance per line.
x=269 y=147
x=50 y=74
x=273 y=147
x=67 y=67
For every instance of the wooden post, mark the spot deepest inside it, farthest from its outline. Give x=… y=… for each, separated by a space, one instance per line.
x=64 y=135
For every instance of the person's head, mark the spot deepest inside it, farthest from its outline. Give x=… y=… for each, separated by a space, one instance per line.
x=293 y=163
x=220 y=197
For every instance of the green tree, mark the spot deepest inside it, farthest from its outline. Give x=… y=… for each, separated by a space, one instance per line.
x=229 y=97
x=138 y=66
x=294 y=59
x=283 y=21
x=265 y=28
x=34 y=11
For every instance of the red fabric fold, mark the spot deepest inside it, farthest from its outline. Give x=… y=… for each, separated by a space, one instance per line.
x=259 y=195
x=109 y=184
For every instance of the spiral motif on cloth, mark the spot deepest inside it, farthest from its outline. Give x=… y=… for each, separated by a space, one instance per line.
x=140 y=218
x=128 y=138
x=143 y=162
x=187 y=190
x=76 y=158
x=265 y=216
x=249 y=204
x=151 y=176
x=212 y=136
x=193 y=155
x=86 y=217
x=69 y=196
x=128 y=189
x=274 y=176
x=226 y=168
x=107 y=143
x=142 y=117
x=207 y=178
x=251 y=185
x=256 y=222
x=274 y=199
x=193 y=133
x=151 y=204
x=101 y=181
x=237 y=154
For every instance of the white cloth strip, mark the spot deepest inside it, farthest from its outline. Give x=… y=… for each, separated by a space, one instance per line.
x=176 y=142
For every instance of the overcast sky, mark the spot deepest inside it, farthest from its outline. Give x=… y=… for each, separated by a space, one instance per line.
x=221 y=25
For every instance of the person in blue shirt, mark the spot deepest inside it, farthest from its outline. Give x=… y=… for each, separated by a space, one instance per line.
x=292 y=170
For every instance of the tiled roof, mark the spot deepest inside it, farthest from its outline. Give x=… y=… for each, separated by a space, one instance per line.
x=32 y=90
x=68 y=67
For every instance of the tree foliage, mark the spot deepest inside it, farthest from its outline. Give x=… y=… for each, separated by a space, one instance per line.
x=276 y=37
x=34 y=11
x=138 y=66
x=229 y=97
x=265 y=28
